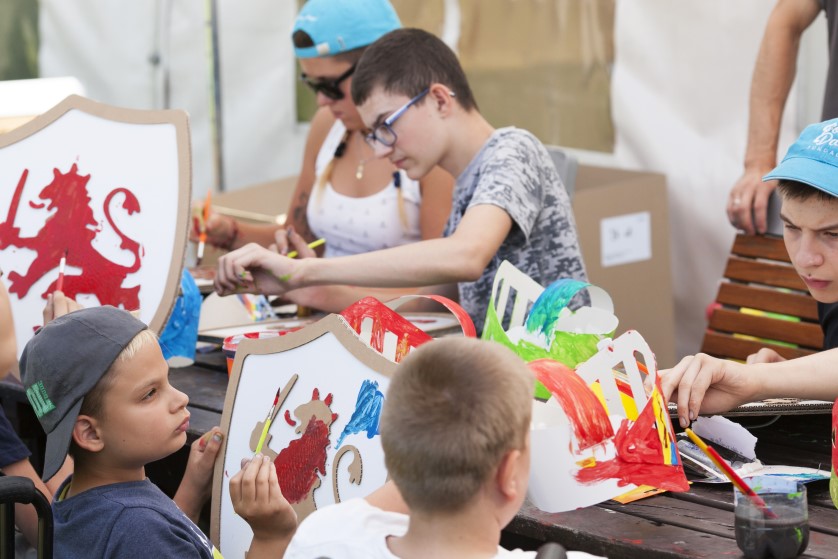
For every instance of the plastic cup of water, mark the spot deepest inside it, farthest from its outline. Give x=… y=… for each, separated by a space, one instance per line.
x=783 y=537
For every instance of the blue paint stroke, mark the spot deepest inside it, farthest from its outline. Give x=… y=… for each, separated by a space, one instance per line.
x=545 y=311
x=367 y=412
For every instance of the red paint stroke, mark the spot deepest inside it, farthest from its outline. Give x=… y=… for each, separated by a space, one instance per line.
x=408 y=335
x=298 y=464
x=590 y=423
x=469 y=331
x=640 y=457
x=73 y=228
x=288 y=419
x=385 y=319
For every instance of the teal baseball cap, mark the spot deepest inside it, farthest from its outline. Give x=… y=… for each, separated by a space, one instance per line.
x=812 y=159
x=337 y=26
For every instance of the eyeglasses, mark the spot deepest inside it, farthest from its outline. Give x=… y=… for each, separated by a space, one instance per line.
x=329 y=88
x=384 y=133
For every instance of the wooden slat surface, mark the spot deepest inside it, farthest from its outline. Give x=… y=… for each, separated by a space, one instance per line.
x=801 y=333
x=609 y=533
x=759 y=246
x=758 y=272
x=728 y=347
x=768 y=299
x=776 y=275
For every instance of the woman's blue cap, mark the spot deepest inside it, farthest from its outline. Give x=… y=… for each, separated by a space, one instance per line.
x=812 y=159
x=337 y=26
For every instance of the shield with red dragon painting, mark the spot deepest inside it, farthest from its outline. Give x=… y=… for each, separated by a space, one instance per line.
x=105 y=189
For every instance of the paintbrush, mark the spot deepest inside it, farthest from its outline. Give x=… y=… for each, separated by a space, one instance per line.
x=62 y=264
x=268 y=421
x=726 y=468
x=312 y=244
x=261 y=428
x=202 y=238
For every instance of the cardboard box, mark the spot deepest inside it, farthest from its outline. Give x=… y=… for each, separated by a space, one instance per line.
x=264 y=201
x=623 y=224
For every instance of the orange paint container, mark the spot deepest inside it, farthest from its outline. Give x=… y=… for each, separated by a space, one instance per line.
x=231 y=343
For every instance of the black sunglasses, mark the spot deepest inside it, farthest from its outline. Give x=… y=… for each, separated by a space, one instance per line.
x=329 y=88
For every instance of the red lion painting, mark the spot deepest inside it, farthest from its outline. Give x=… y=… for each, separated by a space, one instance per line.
x=71 y=230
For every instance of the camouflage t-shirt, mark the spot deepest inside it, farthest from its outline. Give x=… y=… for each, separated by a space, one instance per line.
x=514 y=172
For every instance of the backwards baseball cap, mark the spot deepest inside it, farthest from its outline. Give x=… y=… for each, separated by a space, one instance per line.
x=63 y=362
x=337 y=26
x=812 y=159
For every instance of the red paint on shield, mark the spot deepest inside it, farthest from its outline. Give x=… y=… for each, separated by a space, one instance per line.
x=590 y=423
x=71 y=229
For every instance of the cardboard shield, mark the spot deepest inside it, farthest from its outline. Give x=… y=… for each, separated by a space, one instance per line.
x=108 y=189
x=320 y=390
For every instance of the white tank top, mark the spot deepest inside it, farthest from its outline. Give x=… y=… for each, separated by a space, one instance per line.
x=356 y=225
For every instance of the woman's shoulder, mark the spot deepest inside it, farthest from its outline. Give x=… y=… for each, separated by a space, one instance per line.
x=321 y=124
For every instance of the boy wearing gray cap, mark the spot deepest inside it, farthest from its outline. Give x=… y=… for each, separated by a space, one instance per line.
x=98 y=383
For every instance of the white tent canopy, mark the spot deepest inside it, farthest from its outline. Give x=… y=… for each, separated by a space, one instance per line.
x=679 y=99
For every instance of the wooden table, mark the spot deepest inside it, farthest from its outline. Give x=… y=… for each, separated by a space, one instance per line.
x=697 y=524
x=694 y=524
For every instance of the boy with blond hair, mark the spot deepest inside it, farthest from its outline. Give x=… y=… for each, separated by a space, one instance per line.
x=455 y=433
x=99 y=385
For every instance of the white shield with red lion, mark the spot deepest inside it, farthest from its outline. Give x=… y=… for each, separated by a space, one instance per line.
x=105 y=189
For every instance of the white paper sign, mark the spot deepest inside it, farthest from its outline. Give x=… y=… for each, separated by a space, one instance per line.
x=626 y=238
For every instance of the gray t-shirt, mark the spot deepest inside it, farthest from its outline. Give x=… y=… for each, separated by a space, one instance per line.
x=514 y=172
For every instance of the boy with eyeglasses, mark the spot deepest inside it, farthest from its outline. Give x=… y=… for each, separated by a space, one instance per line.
x=509 y=202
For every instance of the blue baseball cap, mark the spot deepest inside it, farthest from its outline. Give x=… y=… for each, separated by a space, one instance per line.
x=337 y=26
x=812 y=159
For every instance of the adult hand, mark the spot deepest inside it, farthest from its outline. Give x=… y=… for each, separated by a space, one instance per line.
x=255 y=269
x=747 y=203
x=257 y=498
x=57 y=305
x=196 y=486
x=288 y=239
x=700 y=383
x=221 y=230
x=764 y=355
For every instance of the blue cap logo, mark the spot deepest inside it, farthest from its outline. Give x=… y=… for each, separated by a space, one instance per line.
x=812 y=159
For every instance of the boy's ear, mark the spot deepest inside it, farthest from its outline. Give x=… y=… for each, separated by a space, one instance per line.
x=510 y=482
x=442 y=96
x=86 y=434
